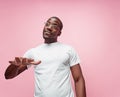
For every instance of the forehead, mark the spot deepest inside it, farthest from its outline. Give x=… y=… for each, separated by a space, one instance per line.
x=54 y=20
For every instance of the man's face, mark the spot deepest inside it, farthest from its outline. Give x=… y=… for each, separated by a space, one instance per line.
x=51 y=29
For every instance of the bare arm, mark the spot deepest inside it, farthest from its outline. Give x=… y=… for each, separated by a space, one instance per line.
x=18 y=66
x=12 y=71
x=79 y=81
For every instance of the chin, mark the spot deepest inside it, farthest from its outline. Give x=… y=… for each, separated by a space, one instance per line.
x=46 y=37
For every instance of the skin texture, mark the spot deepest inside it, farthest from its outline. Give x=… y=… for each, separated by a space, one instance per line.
x=17 y=66
x=51 y=31
x=78 y=80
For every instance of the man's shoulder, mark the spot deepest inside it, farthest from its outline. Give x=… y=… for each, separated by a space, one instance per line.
x=32 y=48
x=37 y=47
x=66 y=46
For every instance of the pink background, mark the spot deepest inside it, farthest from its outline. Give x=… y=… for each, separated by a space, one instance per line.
x=91 y=27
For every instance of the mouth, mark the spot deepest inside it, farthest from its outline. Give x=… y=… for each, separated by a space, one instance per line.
x=47 y=34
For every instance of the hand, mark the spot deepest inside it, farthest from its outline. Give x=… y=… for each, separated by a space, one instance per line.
x=24 y=61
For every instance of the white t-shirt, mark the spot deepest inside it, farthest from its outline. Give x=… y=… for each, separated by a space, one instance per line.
x=52 y=75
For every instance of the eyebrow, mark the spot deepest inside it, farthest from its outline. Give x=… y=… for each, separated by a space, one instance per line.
x=57 y=22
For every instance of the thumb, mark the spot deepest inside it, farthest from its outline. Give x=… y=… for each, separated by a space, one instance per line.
x=35 y=63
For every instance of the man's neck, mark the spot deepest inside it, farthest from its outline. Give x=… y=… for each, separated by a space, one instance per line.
x=50 y=40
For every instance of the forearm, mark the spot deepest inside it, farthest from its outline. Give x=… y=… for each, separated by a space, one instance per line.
x=12 y=71
x=80 y=88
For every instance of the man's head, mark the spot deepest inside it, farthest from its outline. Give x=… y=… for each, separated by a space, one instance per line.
x=52 y=29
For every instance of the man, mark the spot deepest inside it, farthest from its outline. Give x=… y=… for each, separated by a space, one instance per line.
x=52 y=62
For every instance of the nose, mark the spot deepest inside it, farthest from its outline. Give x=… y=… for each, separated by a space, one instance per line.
x=49 y=27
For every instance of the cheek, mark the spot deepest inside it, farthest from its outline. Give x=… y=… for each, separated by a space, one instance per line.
x=44 y=28
x=56 y=32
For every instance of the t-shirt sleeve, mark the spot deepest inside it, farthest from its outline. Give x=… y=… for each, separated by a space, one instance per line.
x=74 y=57
x=28 y=54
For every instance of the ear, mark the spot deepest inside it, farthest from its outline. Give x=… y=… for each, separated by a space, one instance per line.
x=59 y=33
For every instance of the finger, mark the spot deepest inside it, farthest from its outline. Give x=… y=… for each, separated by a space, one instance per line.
x=21 y=58
x=30 y=60
x=35 y=63
x=12 y=62
x=17 y=59
x=24 y=60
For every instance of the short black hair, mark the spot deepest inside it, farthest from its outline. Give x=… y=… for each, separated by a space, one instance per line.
x=61 y=24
